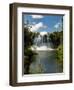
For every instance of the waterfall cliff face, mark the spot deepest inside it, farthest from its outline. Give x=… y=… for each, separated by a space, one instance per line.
x=42 y=42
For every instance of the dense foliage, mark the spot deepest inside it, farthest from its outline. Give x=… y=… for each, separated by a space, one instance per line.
x=28 y=53
x=28 y=37
x=56 y=38
x=59 y=56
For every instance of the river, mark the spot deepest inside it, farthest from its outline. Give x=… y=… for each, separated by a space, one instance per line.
x=44 y=62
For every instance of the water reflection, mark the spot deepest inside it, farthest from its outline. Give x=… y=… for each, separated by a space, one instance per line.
x=44 y=62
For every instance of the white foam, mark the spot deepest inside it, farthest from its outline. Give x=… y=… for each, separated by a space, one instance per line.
x=41 y=48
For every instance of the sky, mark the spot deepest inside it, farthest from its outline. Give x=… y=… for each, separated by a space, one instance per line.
x=44 y=23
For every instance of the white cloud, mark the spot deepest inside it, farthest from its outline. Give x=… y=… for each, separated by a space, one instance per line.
x=37 y=16
x=57 y=25
x=38 y=26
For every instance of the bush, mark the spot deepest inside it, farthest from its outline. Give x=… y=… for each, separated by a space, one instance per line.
x=28 y=59
x=59 y=56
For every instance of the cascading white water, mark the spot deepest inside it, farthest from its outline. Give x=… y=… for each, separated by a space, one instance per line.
x=42 y=43
x=38 y=40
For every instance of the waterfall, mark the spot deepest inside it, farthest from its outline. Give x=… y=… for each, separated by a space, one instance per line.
x=37 y=40
x=42 y=42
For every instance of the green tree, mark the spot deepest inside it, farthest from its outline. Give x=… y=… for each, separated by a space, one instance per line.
x=56 y=38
